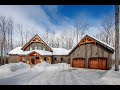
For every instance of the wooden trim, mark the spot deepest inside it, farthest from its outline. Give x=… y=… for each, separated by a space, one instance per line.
x=86 y=58
x=84 y=41
x=35 y=40
x=87 y=40
x=91 y=50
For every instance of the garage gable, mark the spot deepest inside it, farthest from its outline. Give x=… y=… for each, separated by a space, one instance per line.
x=88 y=39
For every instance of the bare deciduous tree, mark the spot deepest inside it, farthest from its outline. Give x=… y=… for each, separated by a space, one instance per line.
x=107 y=26
x=20 y=31
x=3 y=24
x=81 y=27
x=26 y=35
x=107 y=32
x=10 y=33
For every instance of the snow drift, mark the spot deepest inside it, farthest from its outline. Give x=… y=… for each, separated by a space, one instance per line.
x=11 y=67
x=111 y=77
x=44 y=66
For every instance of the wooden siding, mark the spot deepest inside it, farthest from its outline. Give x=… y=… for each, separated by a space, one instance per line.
x=90 y=50
x=13 y=59
x=66 y=59
x=33 y=45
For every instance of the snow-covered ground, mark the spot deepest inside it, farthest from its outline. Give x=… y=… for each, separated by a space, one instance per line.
x=55 y=74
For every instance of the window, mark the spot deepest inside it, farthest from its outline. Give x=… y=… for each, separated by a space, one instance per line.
x=44 y=58
x=35 y=48
x=44 y=49
x=54 y=58
x=39 y=48
x=30 y=48
x=61 y=59
x=37 y=57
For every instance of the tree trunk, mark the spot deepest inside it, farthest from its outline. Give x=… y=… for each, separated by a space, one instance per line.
x=116 y=37
x=11 y=40
x=8 y=44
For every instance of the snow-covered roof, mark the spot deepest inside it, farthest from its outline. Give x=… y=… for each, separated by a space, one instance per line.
x=56 y=51
x=41 y=52
x=60 y=51
x=17 y=50
x=103 y=43
x=98 y=41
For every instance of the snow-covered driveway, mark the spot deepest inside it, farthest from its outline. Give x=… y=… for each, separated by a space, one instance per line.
x=62 y=76
x=56 y=74
x=68 y=77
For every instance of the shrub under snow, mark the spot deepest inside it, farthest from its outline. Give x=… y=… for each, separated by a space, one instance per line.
x=11 y=67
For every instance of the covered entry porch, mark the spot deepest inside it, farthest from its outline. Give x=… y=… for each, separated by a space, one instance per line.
x=34 y=58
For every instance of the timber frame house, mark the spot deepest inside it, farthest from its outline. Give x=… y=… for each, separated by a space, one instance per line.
x=88 y=53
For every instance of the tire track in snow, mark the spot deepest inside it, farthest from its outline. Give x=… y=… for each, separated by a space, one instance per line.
x=19 y=79
x=88 y=77
x=42 y=79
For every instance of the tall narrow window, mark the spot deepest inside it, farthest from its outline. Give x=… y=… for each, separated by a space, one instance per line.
x=44 y=58
x=44 y=49
x=61 y=59
x=30 y=48
x=35 y=48
x=55 y=59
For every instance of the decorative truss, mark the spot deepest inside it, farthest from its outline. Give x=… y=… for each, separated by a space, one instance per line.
x=87 y=40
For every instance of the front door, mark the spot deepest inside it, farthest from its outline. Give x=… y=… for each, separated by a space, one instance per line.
x=33 y=61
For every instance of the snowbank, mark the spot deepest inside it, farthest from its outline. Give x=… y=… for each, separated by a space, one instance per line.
x=111 y=77
x=11 y=67
x=44 y=66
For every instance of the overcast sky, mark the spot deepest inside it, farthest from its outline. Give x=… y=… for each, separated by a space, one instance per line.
x=56 y=17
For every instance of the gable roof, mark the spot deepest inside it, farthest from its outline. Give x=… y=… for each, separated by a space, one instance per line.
x=94 y=40
x=36 y=38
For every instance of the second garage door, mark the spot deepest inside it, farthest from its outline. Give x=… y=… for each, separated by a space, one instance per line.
x=98 y=63
x=78 y=62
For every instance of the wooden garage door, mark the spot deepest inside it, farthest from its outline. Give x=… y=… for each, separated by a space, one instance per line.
x=78 y=62
x=98 y=63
